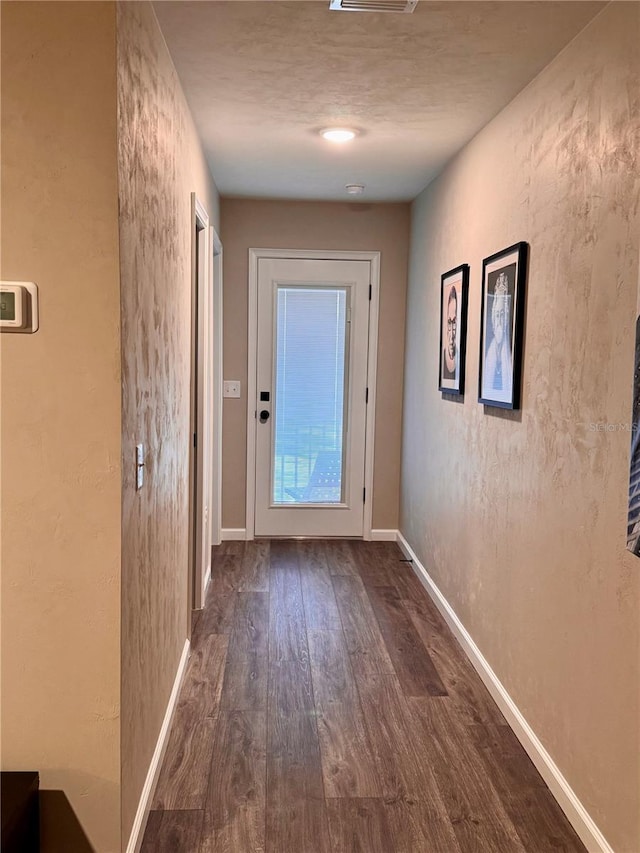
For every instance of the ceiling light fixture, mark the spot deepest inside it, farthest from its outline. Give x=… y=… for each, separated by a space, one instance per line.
x=354 y=189
x=338 y=134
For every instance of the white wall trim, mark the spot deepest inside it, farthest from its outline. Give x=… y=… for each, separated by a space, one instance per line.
x=372 y=360
x=372 y=371
x=584 y=825
x=380 y=535
x=252 y=339
x=217 y=355
x=148 y=790
x=234 y=534
x=199 y=416
x=206 y=582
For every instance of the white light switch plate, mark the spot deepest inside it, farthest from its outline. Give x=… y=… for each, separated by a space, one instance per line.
x=231 y=388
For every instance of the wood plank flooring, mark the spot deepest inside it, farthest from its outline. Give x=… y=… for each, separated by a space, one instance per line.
x=327 y=708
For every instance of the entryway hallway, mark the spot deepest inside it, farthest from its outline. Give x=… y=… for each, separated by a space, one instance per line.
x=327 y=708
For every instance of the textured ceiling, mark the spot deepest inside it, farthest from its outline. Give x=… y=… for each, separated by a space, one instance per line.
x=262 y=77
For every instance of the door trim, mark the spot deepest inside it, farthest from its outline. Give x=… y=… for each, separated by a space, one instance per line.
x=198 y=422
x=217 y=386
x=372 y=365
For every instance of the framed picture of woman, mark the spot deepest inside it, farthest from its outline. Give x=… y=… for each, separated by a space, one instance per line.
x=504 y=278
x=454 y=287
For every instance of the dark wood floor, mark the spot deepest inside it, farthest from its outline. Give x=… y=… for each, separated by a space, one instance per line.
x=328 y=709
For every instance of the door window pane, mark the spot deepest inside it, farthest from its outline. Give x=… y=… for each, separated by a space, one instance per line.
x=311 y=345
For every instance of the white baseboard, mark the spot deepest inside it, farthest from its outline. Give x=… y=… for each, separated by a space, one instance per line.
x=576 y=813
x=233 y=534
x=142 y=815
x=384 y=536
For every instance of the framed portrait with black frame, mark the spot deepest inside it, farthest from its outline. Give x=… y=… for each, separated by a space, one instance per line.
x=454 y=291
x=504 y=279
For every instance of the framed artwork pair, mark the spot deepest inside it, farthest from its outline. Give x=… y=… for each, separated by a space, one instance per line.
x=501 y=327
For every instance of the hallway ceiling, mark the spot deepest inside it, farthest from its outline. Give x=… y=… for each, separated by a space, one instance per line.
x=263 y=77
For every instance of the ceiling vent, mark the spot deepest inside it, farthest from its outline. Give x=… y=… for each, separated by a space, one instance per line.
x=373 y=5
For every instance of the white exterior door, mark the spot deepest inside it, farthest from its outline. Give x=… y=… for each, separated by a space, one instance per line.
x=311 y=378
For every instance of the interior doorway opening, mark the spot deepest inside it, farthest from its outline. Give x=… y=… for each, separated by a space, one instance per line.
x=203 y=411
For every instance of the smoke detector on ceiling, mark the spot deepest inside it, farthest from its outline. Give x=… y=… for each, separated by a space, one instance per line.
x=373 y=5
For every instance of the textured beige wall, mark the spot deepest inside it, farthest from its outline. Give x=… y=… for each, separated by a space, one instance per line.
x=61 y=413
x=160 y=164
x=316 y=225
x=521 y=517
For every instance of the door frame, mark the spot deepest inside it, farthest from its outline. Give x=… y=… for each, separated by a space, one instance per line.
x=199 y=411
x=216 y=352
x=372 y=363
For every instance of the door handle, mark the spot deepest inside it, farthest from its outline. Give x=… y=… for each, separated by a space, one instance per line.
x=264 y=416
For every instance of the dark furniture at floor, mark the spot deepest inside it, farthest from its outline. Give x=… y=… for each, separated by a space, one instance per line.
x=20 y=812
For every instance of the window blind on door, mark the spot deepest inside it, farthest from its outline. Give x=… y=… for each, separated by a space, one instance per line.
x=310 y=386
